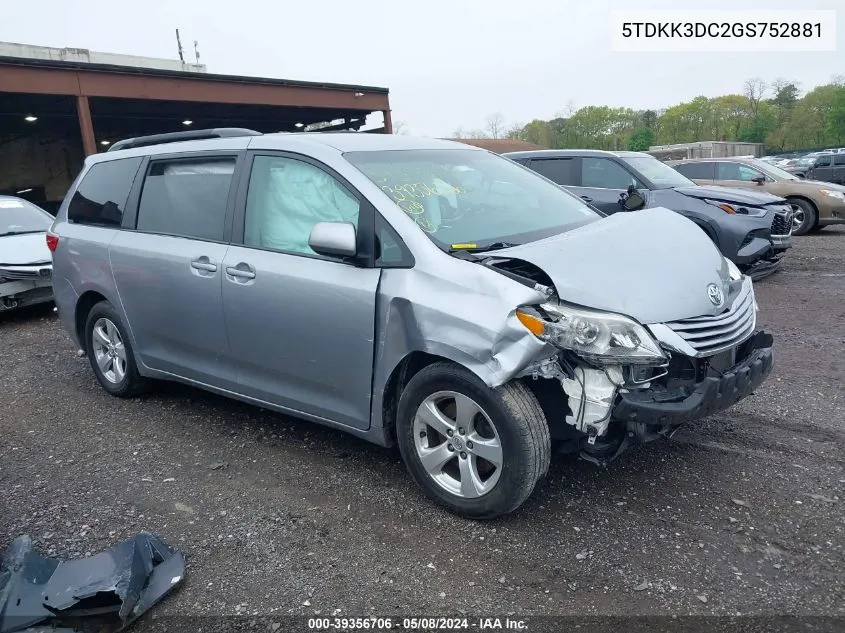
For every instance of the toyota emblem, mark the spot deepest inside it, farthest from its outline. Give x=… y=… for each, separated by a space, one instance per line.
x=715 y=294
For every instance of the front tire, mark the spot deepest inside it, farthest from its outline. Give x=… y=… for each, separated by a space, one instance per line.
x=477 y=451
x=110 y=352
x=805 y=218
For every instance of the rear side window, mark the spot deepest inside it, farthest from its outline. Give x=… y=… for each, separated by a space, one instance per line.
x=559 y=170
x=697 y=171
x=101 y=196
x=839 y=159
x=186 y=198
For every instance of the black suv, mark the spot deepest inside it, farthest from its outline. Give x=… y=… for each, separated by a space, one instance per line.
x=751 y=229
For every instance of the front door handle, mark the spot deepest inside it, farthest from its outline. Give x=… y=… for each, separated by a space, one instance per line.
x=586 y=198
x=240 y=273
x=204 y=264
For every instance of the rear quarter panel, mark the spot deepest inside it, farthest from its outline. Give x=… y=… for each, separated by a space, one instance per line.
x=80 y=263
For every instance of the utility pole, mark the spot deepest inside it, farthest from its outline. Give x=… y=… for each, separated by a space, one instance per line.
x=179 y=44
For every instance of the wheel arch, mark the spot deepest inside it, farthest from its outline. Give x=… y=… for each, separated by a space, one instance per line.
x=86 y=301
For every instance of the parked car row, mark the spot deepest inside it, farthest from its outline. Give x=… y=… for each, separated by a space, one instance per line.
x=752 y=229
x=818 y=204
x=825 y=166
x=419 y=293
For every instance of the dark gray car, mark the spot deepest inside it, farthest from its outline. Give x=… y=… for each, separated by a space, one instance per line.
x=751 y=229
x=408 y=291
x=828 y=168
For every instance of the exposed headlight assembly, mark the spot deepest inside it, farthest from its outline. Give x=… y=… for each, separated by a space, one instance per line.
x=833 y=194
x=734 y=209
x=733 y=270
x=601 y=338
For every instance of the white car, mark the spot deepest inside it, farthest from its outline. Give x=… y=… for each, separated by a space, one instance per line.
x=26 y=264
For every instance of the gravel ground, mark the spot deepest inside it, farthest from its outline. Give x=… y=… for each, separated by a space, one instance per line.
x=739 y=514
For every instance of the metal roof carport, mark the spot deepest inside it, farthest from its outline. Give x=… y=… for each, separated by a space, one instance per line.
x=53 y=113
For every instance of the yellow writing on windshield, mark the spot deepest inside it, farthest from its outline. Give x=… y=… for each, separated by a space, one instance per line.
x=418 y=190
x=458 y=246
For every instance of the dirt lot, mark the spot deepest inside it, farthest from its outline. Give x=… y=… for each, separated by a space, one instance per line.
x=740 y=514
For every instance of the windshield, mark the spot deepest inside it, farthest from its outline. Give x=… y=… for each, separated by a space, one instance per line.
x=659 y=174
x=472 y=199
x=774 y=171
x=20 y=216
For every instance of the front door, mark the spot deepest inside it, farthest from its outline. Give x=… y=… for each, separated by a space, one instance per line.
x=739 y=175
x=602 y=183
x=301 y=326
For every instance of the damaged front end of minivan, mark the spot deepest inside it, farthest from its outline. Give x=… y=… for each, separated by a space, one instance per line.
x=622 y=383
x=678 y=350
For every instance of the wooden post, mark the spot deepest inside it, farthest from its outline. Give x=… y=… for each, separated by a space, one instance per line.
x=388 y=122
x=86 y=126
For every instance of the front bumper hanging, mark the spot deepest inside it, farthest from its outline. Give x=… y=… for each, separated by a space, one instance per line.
x=713 y=394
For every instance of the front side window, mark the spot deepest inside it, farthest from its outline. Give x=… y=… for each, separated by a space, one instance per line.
x=186 y=198
x=286 y=198
x=603 y=173
x=462 y=198
x=824 y=161
x=102 y=194
x=736 y=171
x=19 y=216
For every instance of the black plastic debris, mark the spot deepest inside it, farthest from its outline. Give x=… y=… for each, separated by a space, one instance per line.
x=103 y=593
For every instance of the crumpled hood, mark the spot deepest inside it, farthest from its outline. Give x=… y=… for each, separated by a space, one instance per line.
x=728 y=194
x=653 y=265
x=22 y=250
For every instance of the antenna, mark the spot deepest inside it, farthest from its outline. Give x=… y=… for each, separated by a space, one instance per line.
x=179 y=44
x=197 y=52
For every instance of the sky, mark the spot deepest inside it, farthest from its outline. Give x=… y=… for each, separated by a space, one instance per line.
x=449 y=64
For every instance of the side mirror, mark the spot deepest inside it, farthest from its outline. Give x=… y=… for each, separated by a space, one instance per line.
x=632 y=200
x=759 y=180
x=333 y=239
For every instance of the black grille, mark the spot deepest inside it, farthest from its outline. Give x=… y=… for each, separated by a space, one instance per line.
x=780 y=225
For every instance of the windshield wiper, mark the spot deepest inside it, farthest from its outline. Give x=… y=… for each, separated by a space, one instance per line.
x=481 y=249
x=18 y=233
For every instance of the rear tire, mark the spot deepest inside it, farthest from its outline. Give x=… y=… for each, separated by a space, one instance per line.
x=447 y=405
x=110 y=352
x=808 y=215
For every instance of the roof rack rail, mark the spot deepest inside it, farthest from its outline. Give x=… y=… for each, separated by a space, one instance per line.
x=187 y=135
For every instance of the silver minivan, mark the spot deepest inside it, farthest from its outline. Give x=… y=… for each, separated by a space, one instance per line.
x=413 y=292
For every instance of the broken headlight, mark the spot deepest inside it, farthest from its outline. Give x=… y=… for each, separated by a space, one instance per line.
x=602 y=338
x=733 y=270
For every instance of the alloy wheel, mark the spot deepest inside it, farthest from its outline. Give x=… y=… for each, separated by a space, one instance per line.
x=109 y=350
x=797 y=219
x=457 y=444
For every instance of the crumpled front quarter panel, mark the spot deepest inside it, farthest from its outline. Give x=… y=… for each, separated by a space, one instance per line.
x=462 y=312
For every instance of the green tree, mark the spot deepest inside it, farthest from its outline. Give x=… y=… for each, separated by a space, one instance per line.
x=775 y=114
x=641 y=140
x=836 y=116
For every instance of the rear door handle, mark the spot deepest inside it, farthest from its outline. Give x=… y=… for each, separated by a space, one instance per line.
x=239 y=273
x=203 y=263
x=586 y=198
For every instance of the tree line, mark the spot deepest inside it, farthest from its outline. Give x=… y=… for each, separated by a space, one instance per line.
x=774 y=113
